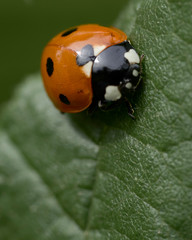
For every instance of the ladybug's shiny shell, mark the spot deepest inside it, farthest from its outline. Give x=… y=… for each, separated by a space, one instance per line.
x=68 y=84
x=89 y=66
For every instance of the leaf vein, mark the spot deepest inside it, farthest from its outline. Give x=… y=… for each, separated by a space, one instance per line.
x=144 y=202
x=43 y=180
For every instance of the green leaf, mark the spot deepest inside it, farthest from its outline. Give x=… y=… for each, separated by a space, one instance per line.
x=105 y=176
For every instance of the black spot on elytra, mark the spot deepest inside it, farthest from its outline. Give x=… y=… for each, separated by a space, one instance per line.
x=68 y=32
x=49 y=66
x=64 y=99
x=86 y=55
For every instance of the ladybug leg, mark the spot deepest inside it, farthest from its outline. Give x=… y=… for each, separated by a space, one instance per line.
x=93 y=107
x=141 y=60
x=108 y=105
x=142 y=57
x=130 y=109
x=103 y=105
x=62 y=112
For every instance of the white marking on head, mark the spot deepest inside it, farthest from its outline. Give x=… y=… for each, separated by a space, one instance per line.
x=132 y=56
x=135 y=73
x=112 y=93
x=98 y=49
x=129 y=85
x=100 y=104
x=87 y=68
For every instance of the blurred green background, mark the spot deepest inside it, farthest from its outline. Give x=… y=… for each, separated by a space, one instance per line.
x=27 y=25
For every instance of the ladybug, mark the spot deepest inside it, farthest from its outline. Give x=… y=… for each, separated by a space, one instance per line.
x=90 y=66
